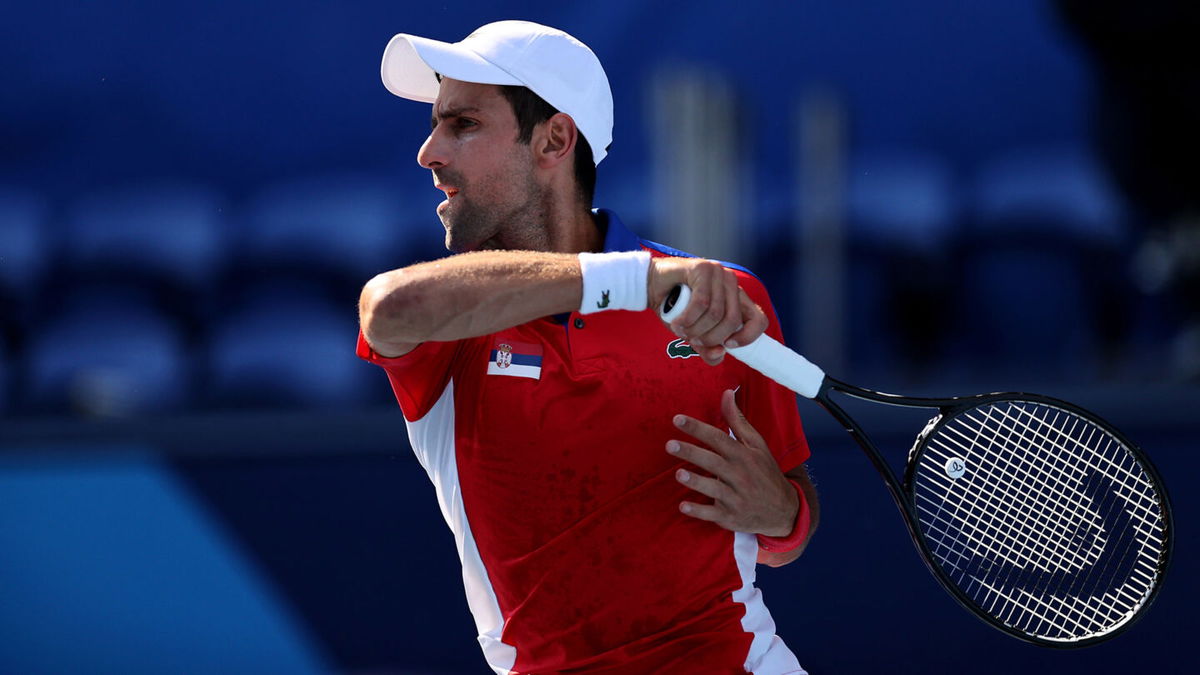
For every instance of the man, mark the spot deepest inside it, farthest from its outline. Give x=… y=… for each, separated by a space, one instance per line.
x=608 y=498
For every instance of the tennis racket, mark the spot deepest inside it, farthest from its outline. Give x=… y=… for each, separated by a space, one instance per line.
x=1036 y=515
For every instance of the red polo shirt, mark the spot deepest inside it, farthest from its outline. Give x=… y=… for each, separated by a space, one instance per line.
x=546 y=445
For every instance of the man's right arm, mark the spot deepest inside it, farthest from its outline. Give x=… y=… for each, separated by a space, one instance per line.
x=465 y=296
x=478 y=293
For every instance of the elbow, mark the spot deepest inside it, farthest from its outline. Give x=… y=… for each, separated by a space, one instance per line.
x=389 y=308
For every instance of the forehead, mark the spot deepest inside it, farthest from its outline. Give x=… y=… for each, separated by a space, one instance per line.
x=456 y=96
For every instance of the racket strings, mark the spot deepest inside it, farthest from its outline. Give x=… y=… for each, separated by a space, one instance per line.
x=995 y=513
x=1068 y=605
x=1025 y=430
x=1054 y=528
x=1048 y=484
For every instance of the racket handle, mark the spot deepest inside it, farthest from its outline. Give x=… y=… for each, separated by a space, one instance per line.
x=765 y=354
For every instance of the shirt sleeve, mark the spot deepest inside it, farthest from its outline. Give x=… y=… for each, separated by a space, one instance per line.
x=770 y=407
x=419 y=377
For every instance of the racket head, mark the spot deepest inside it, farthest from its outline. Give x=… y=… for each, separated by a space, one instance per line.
x=1039 y=517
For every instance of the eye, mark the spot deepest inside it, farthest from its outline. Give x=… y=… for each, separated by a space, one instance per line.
x=465 y=122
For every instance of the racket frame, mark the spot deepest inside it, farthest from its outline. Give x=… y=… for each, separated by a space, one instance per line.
x=948 y=409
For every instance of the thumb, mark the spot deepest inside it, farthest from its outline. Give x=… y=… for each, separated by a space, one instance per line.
x=738 y=423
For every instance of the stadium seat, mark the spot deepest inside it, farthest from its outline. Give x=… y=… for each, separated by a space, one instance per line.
x=286 y=346
x=107 y=353
x=24 y=253
x=169 y=233
x=1042 y=281
x=340 y=228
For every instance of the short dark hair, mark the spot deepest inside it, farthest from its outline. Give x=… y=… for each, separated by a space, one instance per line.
x=530 y=111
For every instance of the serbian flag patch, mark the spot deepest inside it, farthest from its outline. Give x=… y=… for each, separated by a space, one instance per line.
x=515 y=359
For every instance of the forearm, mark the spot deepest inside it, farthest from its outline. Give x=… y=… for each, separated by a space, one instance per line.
x=467 y=295
x=478 y=293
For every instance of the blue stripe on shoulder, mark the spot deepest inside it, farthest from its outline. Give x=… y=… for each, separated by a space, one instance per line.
x=676 y=253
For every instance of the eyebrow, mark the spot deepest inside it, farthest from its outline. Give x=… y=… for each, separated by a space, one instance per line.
x=451 y=112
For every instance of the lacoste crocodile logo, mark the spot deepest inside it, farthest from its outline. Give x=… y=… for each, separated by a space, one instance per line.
x=680 y=349
x=603 y=300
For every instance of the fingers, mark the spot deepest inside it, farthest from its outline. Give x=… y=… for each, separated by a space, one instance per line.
x=694 y=454
x=711 y=355
x=707 y=307
x=713 y=341
x=714 y=311
x=719 y=314
x=738 y=423
x=729 y=310
x=710 y=487
x=754 y=322
x=717 y=440
x=737 y=473
x=712 y=514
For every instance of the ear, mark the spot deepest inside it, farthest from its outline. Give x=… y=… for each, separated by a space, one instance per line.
x=554 y=140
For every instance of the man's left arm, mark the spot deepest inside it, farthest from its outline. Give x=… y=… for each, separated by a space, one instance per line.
x=749 y=492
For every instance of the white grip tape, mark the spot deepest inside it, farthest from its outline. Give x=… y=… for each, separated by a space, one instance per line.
x=769 y=357
x=681 y=303
x=766 y=355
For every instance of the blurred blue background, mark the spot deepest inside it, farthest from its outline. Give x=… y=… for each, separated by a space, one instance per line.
x=197 y=474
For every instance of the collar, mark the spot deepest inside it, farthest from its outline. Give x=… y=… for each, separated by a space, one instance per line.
x=617 y=237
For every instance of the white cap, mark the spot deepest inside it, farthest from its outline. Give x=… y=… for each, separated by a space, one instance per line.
x=554 y=65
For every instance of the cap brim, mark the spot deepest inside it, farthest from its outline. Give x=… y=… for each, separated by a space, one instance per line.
x=410 y=63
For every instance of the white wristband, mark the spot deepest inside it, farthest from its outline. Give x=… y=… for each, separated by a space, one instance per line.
x=614 y=281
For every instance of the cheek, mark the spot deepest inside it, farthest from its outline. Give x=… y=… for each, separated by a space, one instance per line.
x=502 y=181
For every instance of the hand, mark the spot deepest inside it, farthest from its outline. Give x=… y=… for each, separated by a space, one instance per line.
x=749 y=491
x=719 y=315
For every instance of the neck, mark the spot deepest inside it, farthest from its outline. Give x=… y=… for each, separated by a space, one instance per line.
x=574 y=231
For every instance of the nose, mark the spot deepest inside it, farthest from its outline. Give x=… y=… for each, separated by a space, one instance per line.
x=432 y=154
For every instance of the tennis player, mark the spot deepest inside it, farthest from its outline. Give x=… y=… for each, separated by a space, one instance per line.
x=610 y=480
